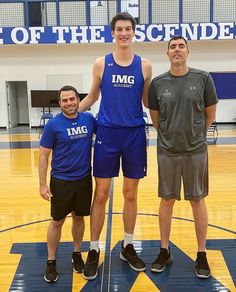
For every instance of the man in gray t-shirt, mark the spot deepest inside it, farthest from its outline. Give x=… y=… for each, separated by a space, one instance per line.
x=182 y=105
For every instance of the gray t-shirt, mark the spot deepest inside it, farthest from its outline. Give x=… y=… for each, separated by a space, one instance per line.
x=181 y=102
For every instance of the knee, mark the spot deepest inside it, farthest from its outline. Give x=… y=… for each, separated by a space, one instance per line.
x=167 y=204
x=78 y=219
x=101 y=196
x=197 y=204
x=130 y=195
x=57 y=224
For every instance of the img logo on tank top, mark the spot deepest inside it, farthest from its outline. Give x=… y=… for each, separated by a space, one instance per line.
x=122 y=80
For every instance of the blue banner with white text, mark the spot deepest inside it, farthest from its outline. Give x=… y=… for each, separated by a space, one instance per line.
x=102 y=33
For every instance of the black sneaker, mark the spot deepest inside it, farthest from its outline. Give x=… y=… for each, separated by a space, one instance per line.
x=164 y=258
x=91 y=267
x=129 y=255
x=201 y=265
x=50 y=274
x=78 y=263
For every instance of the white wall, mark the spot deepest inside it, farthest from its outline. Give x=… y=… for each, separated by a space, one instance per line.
x=34 y=62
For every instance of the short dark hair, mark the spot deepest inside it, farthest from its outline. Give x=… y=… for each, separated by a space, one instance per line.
x=67 y=88
x=122 y=16
x=178 y=37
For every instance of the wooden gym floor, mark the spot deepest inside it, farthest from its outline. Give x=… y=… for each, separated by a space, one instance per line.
x=24 y=218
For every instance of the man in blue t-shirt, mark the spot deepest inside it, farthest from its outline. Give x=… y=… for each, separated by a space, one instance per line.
x=69 y=137
x=123 y=79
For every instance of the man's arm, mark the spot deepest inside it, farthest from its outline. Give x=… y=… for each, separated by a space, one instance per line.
x=94 y=92
x=154 y=117
x=147 y=74
x=210 y=113
x=42 y=168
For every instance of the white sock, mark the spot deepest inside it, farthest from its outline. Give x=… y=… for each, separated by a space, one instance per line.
x=128 y=239
x=94 y=245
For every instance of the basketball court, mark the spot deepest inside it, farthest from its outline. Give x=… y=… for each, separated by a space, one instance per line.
x=24 y=217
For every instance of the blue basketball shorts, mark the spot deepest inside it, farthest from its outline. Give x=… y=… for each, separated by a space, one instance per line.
x=113 y=145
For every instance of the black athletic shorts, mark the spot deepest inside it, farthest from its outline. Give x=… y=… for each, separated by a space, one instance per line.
x=70 y=196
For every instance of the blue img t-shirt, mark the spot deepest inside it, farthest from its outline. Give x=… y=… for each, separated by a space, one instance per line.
x=71 y=143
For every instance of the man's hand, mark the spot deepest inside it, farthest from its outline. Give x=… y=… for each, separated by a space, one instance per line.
x=45 y=193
